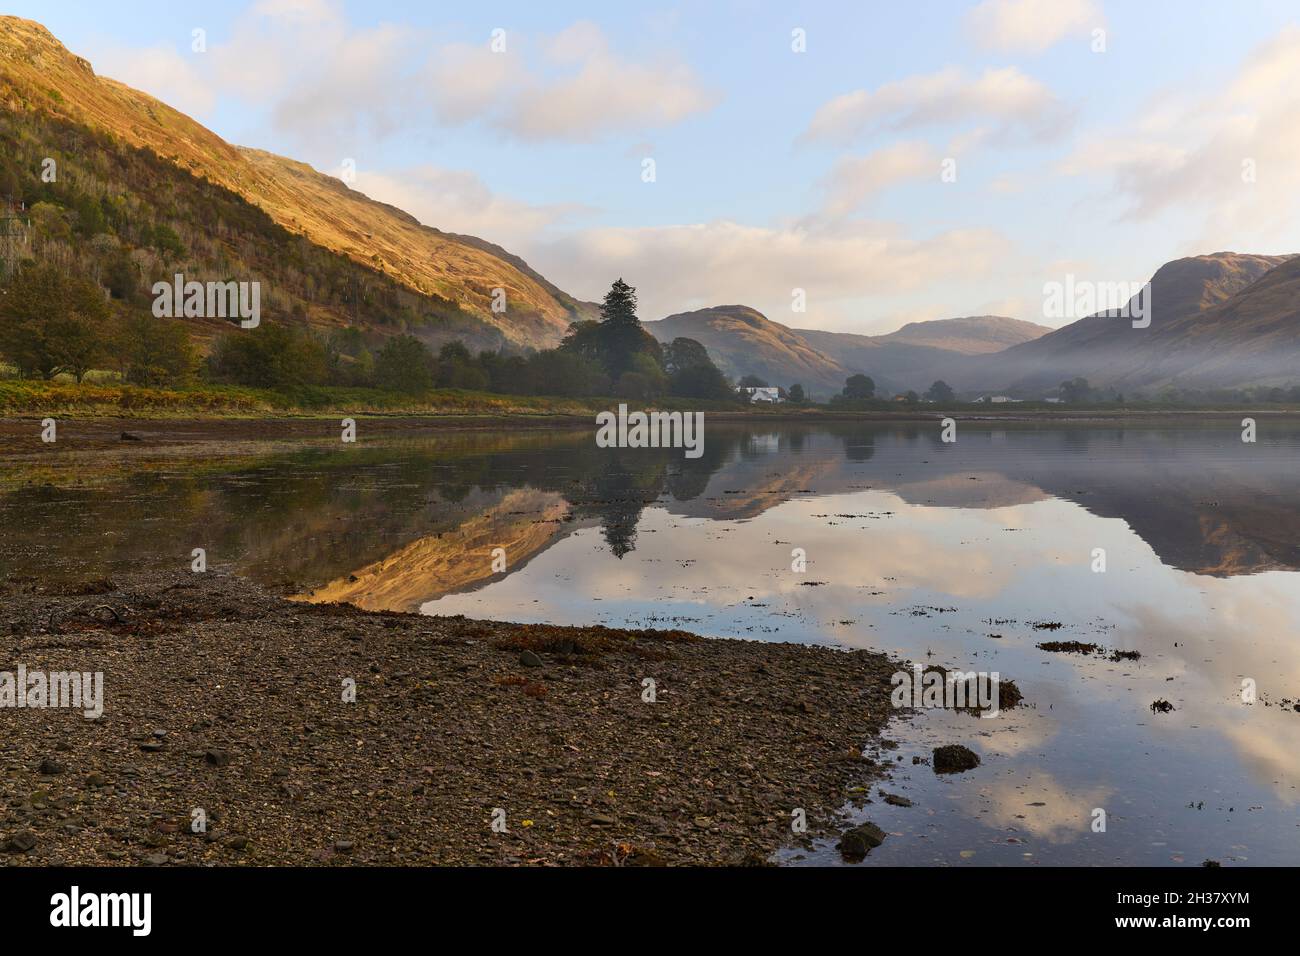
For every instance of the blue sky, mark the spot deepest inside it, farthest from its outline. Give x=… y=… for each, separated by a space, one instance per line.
x=775 y=170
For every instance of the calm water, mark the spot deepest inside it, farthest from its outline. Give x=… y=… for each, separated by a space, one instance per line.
x=914 y=547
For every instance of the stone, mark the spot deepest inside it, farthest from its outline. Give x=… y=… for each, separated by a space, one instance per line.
x=858 y=842
x=955 y=758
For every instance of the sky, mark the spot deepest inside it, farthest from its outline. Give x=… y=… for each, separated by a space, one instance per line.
x=850 y=166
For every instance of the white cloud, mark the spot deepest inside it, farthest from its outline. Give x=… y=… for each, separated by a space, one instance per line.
x=328 y=84
x=606 y=94
x=162 y=72
x=359 y=93
x=577 y=90
x=459 y=201
x=576 y=43
x=1031 y=26
x=857 y=178
x=691 y=266
x=467 y=82
x=1020 y=105
x=1191 y=156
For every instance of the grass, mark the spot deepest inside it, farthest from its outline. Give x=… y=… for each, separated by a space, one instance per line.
x=107 y=398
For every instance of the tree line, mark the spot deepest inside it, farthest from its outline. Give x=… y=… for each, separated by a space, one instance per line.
x=53 y=323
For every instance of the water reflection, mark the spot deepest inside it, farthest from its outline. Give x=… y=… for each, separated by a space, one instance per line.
x=946 y=553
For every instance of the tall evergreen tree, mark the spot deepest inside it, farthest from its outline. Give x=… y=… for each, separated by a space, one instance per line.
x=621 y=335
x=619 y=307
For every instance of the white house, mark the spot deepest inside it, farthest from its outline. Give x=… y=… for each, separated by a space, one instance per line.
x=768 y=393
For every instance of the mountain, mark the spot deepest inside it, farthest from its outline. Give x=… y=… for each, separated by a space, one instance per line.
x=1220 y=320
x=50 y=98
x=970 y=335
x=743 y=342
x=1251 y=338
x=921 y=352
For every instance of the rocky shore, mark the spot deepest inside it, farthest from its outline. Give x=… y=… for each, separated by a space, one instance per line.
x=227 y=706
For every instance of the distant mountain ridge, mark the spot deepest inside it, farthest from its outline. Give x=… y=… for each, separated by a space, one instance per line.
x=743 y=341
x=1221 y=320
x=1224 y=320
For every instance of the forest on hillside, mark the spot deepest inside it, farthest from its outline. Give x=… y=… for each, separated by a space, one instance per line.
x=91 y=224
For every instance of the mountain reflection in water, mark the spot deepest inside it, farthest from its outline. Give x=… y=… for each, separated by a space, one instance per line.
x=949 y=553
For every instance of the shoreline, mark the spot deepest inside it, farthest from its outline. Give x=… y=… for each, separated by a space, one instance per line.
x=222 y=696
x=20 y=436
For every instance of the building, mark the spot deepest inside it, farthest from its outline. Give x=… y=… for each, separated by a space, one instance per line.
x=769 y=393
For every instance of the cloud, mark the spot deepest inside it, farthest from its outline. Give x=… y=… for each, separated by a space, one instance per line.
x=360 y=93
x=162 y=72
x=689 y=266
x=467 y=82
x=1030 y=26
x=459 y=201
x=1066 y=813
x=577 y=90
x=857 y=178
x=1226 y=158
x=1021 y=106
x=326 y=82
x=606 y=95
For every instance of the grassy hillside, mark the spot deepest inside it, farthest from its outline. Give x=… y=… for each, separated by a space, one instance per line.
x=743 y=341
x=326 y=252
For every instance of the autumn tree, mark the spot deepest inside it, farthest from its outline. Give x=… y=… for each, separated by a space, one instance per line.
x=51 y=323
x=153 y=351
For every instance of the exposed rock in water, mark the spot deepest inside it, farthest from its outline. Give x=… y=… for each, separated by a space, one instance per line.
x=954 y=758
x=1161 y=706
x=856 y=843
x=1009 y=694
